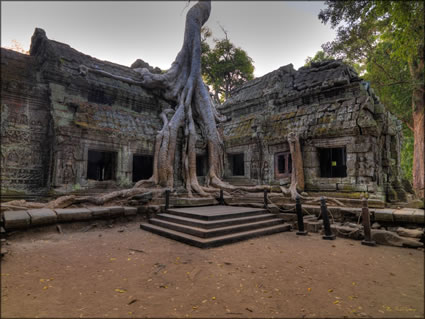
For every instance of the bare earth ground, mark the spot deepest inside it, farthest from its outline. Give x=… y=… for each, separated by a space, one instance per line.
x=96 y=274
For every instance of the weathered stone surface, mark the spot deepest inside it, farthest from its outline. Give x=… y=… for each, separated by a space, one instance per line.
x=130 y=211
x=385 y=237
x=116 y=211
x=16 y=219
x=42 y=216
x=327 y=105
x=419 y=216
x=313 y=226
x=385 y=215
x=403 y=215
x=100 y=212
x=73 y=214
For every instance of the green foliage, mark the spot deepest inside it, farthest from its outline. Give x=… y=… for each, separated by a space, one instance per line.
x=387 y=39
x=320 y=56
x=225 y=66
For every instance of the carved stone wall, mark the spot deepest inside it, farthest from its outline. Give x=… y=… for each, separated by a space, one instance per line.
x=25 y=127
x=327 y=106
x=53 y=115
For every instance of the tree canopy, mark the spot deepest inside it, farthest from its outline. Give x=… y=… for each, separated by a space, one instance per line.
x=387 y=39
x=224 y=66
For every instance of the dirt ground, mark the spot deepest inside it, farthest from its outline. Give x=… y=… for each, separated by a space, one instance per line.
x=127 y=272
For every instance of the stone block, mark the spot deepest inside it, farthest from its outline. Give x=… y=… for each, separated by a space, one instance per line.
x=130 y=211
x=71 y=214
x=403 y=215
x=313 y=226
x=419 y=216
x=42 y=216
x=288 y=217
x=100 y=212
x=16 y=219
x=385 y=215
x=116 y=211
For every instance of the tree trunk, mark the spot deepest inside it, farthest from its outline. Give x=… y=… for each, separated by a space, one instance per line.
x=416 y=72
x=419 y=145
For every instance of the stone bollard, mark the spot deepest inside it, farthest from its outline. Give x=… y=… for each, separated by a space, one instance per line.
x=221 y=199
x=167 y=199
x=265 y=199
x=366 y=225
x=324 y=210
x=298 y=208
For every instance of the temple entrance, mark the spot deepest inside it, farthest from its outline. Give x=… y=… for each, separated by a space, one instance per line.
x=333 y=162
x=142 y=167
x=101 y=165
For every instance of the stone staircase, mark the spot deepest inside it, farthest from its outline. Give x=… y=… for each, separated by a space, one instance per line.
x=212 y=226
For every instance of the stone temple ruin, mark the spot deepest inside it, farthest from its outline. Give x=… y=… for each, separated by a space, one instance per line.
x=65 y=130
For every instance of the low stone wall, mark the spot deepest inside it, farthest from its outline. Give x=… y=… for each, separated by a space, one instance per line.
x=24 y=219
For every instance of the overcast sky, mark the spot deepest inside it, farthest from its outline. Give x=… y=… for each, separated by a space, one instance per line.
x=274 y=33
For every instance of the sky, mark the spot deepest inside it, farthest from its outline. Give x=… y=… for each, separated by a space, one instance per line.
x=273 y=33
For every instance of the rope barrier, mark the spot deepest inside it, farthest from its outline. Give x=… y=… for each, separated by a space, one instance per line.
x=280 y=209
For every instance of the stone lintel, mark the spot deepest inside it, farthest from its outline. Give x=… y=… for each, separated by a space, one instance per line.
x=42 y=216
x=16 y=219
x=71 y=214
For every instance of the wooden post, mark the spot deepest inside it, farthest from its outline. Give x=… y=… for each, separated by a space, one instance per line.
x=167 y=199
x=366 y=225
x=328 y=233
x=298 y=208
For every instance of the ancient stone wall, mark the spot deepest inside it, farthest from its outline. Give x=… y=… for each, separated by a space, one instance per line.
x=58 y=113
x=25 y=127
x=327 y=106
x=53 y=115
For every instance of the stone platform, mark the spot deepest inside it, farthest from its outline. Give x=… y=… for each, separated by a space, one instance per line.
x=211 y=226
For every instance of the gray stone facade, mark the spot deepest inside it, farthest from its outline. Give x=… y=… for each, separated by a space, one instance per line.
x=55 y=120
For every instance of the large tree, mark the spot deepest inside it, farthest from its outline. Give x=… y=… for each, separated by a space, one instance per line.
x=224 y=66
x=183 y=85
x=388 y=37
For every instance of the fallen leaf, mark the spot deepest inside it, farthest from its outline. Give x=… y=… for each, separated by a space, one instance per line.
x=330 y=290
x=353 y=283
x=204 y=301
x=336 y=302
x=195 y=307
x=308 y=289
x=41 y=280
x=133 y=301
x=120 y=290
x=112 y=259
x=45 y=287
x=213 y=298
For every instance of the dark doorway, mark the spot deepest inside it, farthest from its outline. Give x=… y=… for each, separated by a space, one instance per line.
x=333 y=162
x=101 y=165
x=142 y=167
x=201 y=167
x=283 y=164
x=237 y=164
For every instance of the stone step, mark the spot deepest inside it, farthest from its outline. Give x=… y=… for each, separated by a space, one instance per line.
x=216 y=212
x=215 y=241
x=208 y=233
x=208 y=224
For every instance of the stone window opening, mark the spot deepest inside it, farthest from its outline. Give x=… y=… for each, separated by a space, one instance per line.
x=282 y=164
x=333 y=162
x=237 y=164
x=201 y=167
x=142 y=167
x=101 y=165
